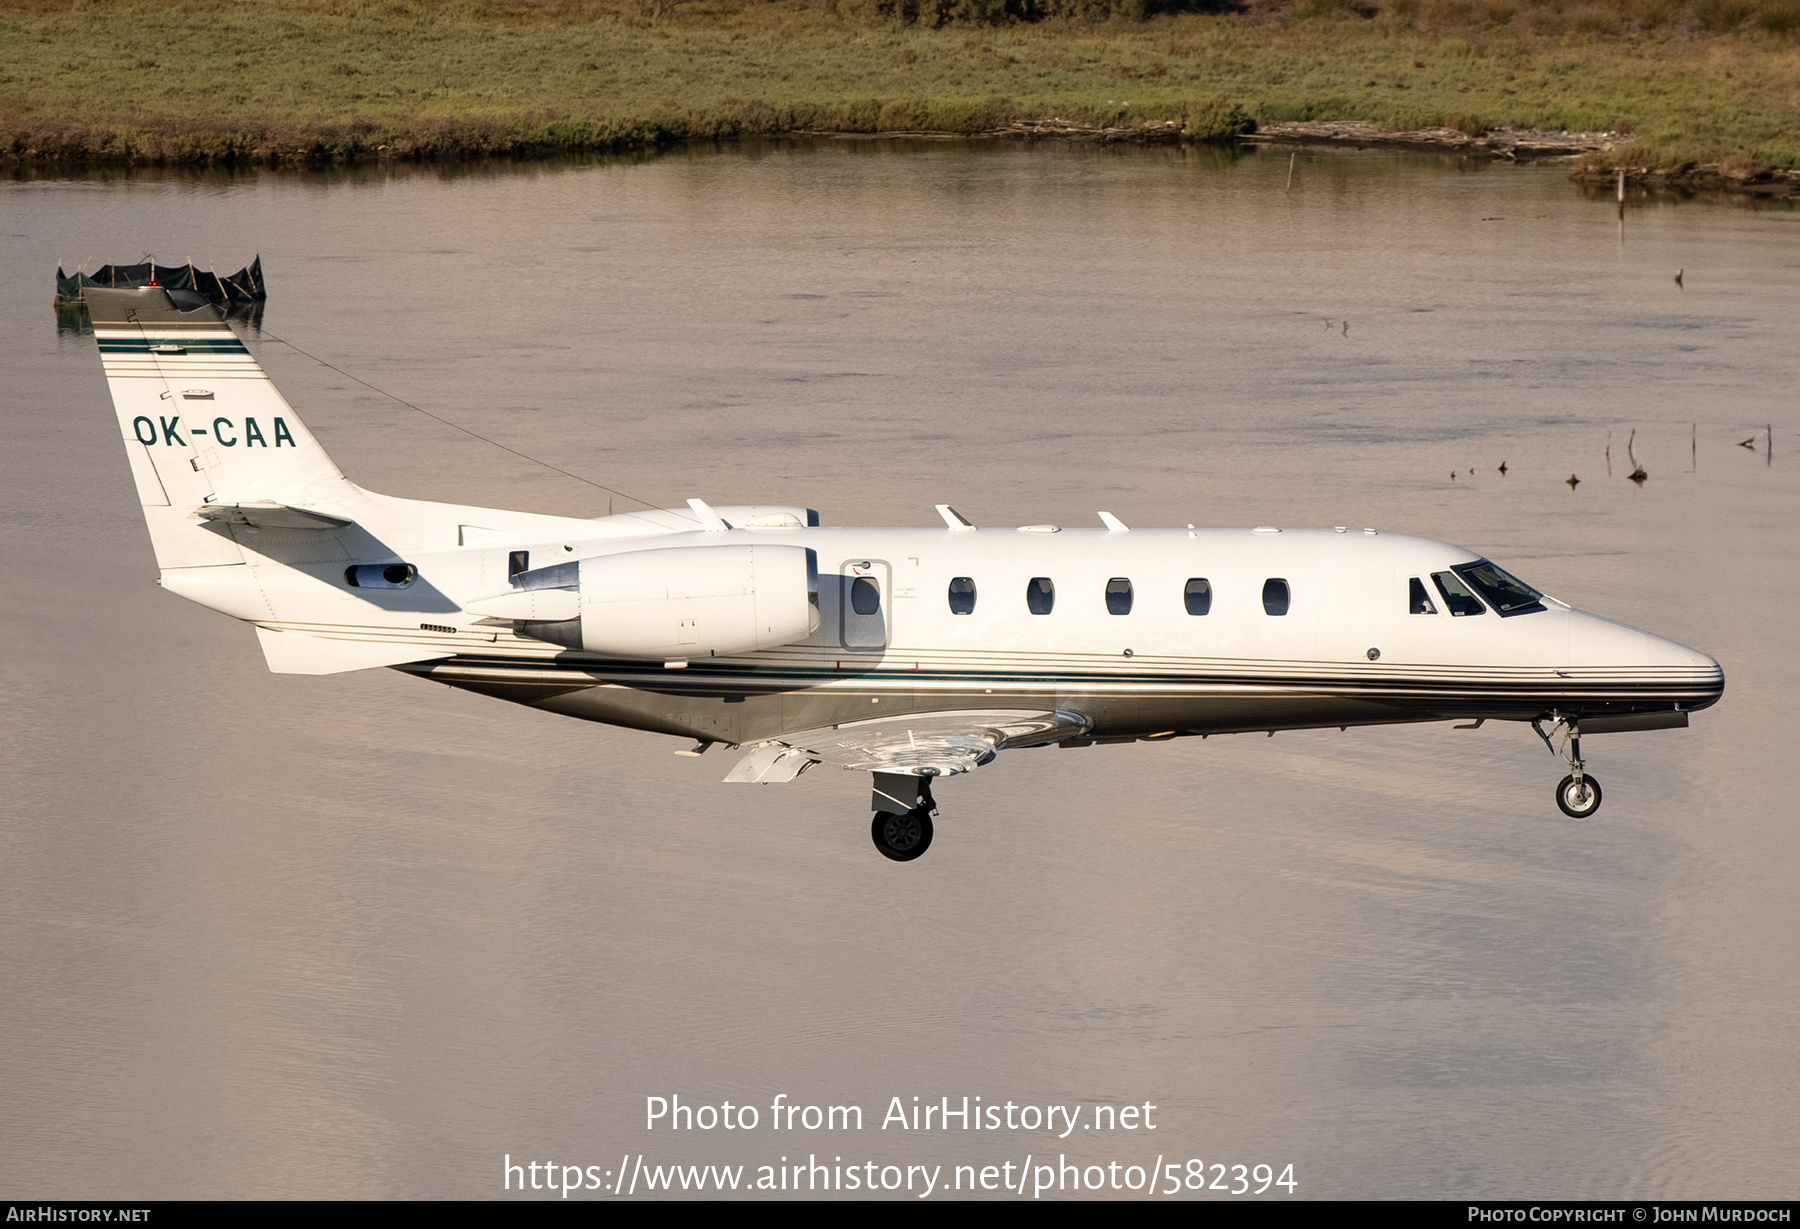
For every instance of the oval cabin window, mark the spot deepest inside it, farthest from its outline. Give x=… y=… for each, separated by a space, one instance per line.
x=865 y=598
x=1275 y=596
x=1197 y=595
x=1118 y=596
x=1040 y=595
x=962 y=595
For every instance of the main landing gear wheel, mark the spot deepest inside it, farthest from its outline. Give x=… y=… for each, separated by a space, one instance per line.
x=1578 y=799
x=901 y=837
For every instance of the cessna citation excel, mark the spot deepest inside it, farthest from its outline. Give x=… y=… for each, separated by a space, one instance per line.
x=911 y=654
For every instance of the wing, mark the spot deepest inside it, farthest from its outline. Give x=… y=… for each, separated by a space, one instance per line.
x=923 y=744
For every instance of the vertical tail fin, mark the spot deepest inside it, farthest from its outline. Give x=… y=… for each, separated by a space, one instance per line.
x=201 y=422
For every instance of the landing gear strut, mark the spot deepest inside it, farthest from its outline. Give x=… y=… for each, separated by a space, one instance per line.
x=1578 y=794
x=903 y=806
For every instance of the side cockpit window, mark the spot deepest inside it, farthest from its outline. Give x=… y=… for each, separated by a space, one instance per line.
x=1418 y=600
x=1457 y=598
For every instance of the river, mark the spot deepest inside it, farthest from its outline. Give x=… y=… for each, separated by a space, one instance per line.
x=362 y=936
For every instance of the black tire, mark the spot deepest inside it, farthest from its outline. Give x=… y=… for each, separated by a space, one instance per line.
x=901 y=837
x=1573 y=805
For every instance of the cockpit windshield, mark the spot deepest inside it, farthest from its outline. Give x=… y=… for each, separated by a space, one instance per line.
x=1506 y=593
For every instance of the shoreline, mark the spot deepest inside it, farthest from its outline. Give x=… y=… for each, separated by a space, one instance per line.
x=1600 y=157
x=1507 y=144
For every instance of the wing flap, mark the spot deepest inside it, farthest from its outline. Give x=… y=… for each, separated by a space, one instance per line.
x=771 y=764
x=922 y=744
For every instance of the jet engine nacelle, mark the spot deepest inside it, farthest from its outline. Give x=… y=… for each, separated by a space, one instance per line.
x=678 y=602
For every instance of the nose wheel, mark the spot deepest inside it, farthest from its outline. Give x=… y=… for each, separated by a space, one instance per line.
x=1578 y=794
x=1579 y=797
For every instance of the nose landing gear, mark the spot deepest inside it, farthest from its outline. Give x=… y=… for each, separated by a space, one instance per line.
x=1578 y=794
x=903 y=806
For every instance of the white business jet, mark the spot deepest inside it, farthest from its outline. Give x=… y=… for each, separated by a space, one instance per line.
x=911 y=654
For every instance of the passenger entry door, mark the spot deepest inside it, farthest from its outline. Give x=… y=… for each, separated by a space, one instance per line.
x=865 y=593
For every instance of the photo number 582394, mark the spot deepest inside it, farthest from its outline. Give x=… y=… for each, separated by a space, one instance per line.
x=1233 y=1179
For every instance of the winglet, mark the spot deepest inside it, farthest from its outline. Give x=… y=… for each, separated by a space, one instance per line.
x=1114 y=524
x=957 y=522
x=712 y=521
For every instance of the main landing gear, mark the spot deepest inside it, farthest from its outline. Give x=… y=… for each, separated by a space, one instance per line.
x=1578 y=794
x=902 y=837
x=903 y=806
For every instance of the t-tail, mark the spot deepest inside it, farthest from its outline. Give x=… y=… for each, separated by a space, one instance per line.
x=249 y=516
x=208 y=434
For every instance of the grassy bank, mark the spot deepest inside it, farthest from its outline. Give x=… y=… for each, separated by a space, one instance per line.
x=205 y=80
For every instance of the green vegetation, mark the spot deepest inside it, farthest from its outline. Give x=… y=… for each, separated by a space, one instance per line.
x=217 y=80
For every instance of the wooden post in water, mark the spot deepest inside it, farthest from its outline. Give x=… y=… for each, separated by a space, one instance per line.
x=1290 y=183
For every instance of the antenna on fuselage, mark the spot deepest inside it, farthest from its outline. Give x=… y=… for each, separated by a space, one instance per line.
x=711 y=521
x=953 y=519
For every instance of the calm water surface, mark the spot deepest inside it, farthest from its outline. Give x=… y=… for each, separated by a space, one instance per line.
x=362 y=936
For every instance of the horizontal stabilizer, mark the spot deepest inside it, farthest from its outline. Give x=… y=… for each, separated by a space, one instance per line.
x=304 y=653
x=264 y=515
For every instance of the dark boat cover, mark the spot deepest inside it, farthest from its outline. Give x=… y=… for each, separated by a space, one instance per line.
x=240 y=289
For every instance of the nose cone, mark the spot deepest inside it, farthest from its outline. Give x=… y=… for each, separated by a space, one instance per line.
x=1656 y=671
x=1660 y=652
x=1699 y=676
